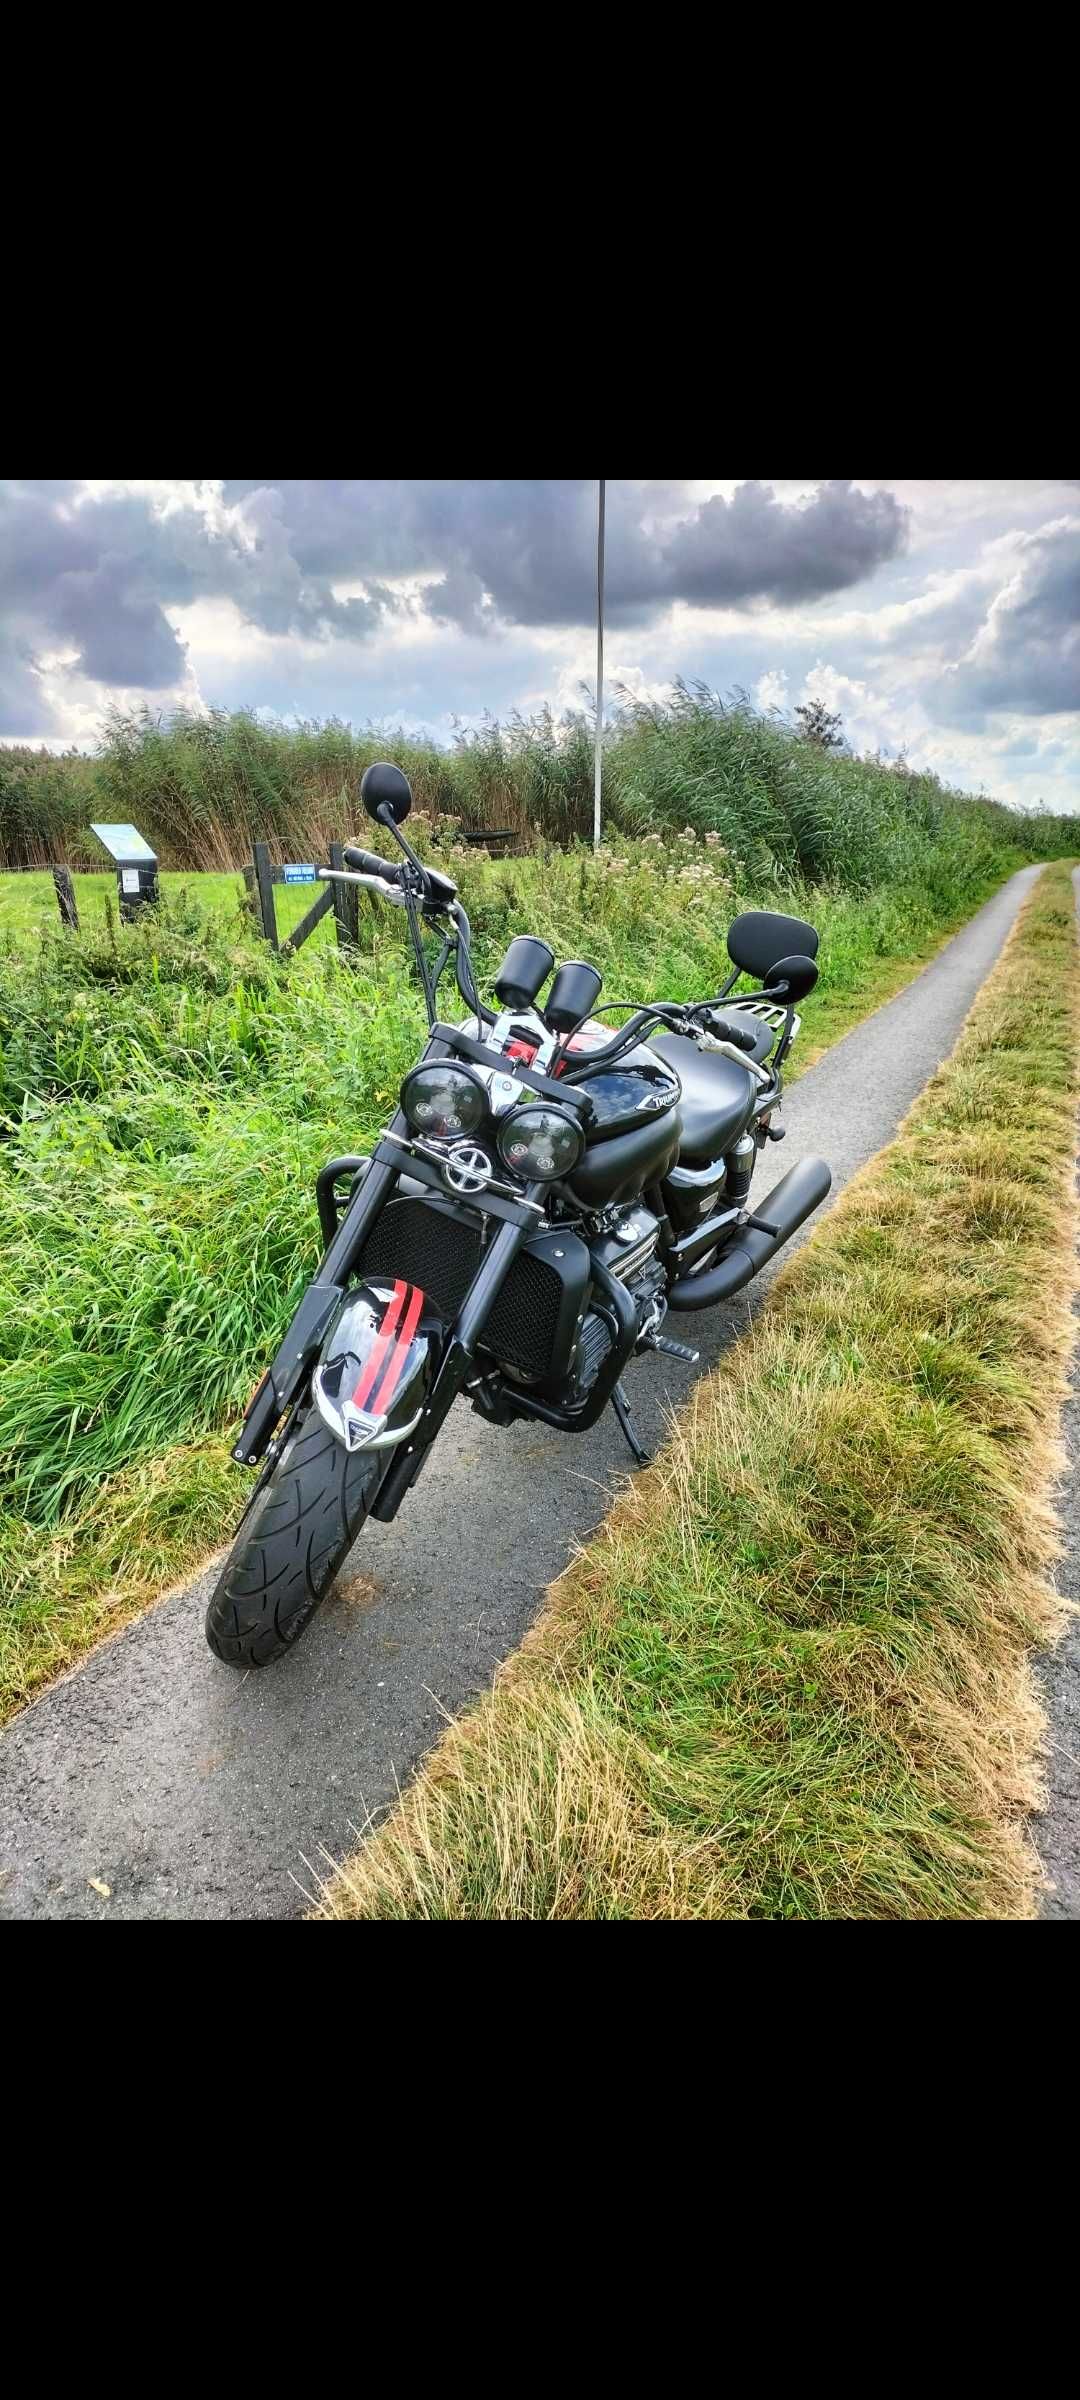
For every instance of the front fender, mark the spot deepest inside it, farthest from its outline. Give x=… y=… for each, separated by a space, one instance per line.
x=377 y=1363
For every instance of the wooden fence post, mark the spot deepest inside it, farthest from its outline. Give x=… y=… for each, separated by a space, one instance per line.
x=264 y=876
x=65 y=894
x=346 y=899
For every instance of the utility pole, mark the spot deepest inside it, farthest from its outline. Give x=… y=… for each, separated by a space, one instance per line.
x=599 y=669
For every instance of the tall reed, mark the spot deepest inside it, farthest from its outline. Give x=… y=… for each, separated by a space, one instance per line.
x=202 y=786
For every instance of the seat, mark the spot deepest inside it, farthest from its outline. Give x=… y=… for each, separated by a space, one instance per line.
x=717 y=1097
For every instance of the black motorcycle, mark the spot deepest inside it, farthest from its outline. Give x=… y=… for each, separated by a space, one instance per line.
x=547 y=1192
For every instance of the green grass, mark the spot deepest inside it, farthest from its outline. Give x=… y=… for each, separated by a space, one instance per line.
x=28 y=900
x=168 y=1093
x=789 y=1678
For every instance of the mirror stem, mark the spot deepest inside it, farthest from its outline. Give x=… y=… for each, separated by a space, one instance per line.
x=386 y=817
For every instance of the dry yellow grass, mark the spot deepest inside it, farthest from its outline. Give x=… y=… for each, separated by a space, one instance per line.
x=790 y=1676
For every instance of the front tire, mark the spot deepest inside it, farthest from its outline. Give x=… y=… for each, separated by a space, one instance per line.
x=293 y=1537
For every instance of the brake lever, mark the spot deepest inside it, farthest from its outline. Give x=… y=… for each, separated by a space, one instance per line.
x=368 y=883
x=709 y=1041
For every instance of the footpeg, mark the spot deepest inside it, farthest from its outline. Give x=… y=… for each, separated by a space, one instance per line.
x=776 y=1132
x=661 y=1341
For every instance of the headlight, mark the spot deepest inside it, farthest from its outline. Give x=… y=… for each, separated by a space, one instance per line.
x=540 y=1142
x=443 y=1100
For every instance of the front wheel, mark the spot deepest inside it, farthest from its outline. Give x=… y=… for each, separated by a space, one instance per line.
x=294 y=1536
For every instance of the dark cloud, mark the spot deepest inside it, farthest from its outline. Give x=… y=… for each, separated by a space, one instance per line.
x=92 y=581
x=99 y=577
x=37 y=544
x=1026 y=656
x=121 y=634
x=459 y=599
x=532 y=546
x=751 y=547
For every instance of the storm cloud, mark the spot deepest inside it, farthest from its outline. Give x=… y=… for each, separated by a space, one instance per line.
x=751 y=547
x=91 y=578
x=528 y=550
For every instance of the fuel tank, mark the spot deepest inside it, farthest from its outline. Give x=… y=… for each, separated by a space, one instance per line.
x=635 y=1132
x=625 y=1164
x=640 y=1086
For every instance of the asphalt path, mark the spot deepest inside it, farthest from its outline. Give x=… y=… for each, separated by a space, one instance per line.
x=195 y=1792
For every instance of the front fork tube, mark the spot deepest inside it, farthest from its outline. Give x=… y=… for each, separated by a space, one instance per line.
x=286 y=1373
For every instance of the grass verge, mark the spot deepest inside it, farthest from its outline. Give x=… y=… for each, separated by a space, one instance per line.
x=789 y=1677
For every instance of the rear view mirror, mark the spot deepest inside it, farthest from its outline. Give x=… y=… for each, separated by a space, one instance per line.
x=791 y=978
x=385 y=787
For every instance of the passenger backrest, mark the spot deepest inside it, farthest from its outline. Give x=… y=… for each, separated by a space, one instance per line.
x=758 y=938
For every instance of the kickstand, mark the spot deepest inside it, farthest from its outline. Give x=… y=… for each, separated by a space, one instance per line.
x=621 y=1407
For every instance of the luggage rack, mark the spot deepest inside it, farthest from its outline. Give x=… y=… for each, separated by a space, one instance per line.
x=773 y=1011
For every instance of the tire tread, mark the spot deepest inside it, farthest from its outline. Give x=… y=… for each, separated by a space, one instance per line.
x=292 y=1540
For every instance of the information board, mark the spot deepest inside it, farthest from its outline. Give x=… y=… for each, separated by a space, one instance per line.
x=125 y=845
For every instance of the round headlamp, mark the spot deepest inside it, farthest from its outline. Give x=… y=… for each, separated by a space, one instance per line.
x=539 y=1142
x=442 y=1100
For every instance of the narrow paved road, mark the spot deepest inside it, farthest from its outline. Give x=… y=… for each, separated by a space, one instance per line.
x=1057 y=1834
x=193 y=1792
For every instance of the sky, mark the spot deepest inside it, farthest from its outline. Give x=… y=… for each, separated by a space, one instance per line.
x=941 y=619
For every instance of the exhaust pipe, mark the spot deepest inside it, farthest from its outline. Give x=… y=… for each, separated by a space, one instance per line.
x=786 y=1207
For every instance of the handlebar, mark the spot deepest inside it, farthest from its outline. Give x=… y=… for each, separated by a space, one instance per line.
x=433 y=889
x=677 y=1019
x=437 y=893
x=422 y=891
x=669 y=1014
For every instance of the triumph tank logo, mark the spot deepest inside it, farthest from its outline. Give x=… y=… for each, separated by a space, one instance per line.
x=467 y=1169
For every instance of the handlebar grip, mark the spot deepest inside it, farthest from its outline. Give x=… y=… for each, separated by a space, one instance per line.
x=726 y=1032
x=368 y=862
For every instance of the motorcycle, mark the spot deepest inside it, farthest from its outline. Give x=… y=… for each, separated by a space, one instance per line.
x=547 y=1192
